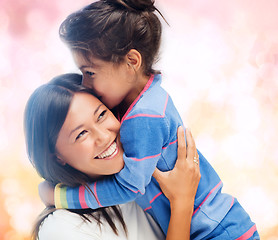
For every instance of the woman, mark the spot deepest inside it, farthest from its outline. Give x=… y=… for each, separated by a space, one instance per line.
x=54 y=118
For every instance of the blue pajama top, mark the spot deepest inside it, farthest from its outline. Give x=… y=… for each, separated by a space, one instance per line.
x=149 y=138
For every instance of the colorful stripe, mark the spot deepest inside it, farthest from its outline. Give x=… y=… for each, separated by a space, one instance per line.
x=145 y=115
x=232 y=203
x=207 y=197
x=95 y=192
x=73 y=198
x=57 y=196
x=149 y=83
x=165 y=105
x=151 y=115
x=138 y=191
x=147 y=208
x=249 y=233
x=82 y=197
x=170 y=144
x=157 y=195
x=144 y=158
x=60 y=196
x=63 y=196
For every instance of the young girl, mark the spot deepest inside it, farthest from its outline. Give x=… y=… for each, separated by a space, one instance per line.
x=115 y=44
x=53 y=116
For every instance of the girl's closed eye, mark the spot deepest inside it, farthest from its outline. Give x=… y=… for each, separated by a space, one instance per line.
x=80 y=134
x=101 y=115
x=89 y=73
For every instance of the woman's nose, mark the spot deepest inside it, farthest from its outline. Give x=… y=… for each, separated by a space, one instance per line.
x=102 y=137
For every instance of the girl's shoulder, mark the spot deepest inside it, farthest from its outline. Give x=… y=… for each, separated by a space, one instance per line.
x=152 y=99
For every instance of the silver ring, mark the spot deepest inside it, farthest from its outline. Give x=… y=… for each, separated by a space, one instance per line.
x=195 y=159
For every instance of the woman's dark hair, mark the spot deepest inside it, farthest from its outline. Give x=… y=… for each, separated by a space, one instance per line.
x=44 y=116
x=109 y=29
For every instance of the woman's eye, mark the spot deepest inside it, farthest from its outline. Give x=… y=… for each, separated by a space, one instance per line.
x=80 y=134
x=89 y=73
x=101 y=115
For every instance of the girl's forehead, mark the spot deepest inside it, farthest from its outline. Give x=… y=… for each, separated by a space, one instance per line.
x=83 y=60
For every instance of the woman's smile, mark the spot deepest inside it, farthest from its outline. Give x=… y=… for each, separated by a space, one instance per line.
x=110 y=152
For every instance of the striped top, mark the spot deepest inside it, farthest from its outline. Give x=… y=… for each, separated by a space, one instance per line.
x=149 y=138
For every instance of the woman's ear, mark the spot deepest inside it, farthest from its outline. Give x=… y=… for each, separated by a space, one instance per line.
x=60 y=161
x=134 y=59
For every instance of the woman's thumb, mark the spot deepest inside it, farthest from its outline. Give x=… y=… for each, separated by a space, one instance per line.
x=157 y=174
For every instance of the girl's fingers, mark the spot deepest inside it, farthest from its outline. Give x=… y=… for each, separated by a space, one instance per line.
x=181 y=144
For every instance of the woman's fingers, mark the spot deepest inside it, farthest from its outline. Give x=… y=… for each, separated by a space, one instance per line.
x=192 y=154
x=181 y=183
x=157 y=174
x=164 y=181
x=191 y=147
x=181 y=144
x=186 y=149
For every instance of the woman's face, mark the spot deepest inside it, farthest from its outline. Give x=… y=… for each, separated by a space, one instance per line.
x=89 y=139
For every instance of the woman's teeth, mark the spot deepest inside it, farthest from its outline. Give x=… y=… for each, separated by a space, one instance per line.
x=109 y=151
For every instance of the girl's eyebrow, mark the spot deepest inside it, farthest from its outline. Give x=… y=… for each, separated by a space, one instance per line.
x=84 y=66
x=81 y=125
x=91 y=65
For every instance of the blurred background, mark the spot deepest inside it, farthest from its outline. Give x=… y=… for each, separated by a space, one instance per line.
x=220 y=65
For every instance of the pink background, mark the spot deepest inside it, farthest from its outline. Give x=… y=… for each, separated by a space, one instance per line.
x=220 y=64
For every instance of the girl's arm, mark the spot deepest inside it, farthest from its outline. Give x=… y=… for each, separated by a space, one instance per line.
x=143 y=139
x=180 y=185
x=142 y=151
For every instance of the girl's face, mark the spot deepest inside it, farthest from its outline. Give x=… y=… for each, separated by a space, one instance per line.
x=89 y=138
x=112 y=82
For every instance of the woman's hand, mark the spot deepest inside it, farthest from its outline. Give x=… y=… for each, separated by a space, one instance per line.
x=46 y=192
x=180 y=185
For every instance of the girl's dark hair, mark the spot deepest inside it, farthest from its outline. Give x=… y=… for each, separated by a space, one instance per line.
x=44 y=116
x=109 y=29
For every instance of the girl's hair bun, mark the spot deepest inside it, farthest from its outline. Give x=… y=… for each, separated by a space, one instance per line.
x=135 y=5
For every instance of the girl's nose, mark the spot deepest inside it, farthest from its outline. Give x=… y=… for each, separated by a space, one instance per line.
x=97 y=92
x=87 y=83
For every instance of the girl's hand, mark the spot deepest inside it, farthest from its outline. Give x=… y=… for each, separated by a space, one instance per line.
x=46 y=192
x=181 y=183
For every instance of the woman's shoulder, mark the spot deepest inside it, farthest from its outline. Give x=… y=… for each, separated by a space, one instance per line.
x=63 y=224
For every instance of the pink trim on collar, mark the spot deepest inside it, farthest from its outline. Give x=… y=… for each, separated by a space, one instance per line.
x=148 y=84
